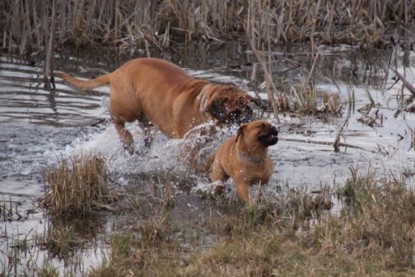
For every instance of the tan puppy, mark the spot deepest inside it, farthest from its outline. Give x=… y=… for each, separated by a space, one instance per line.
x=156 y=91
x=245 y=158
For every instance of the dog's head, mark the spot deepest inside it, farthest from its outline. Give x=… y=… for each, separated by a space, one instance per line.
x=258 y=132
x=230 y=105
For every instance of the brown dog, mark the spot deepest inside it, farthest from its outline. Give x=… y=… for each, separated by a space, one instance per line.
x=245 y=158
x=156 y=91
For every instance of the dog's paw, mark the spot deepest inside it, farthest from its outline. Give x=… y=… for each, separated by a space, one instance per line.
x=142 y=151
x=129 y=149
x=218 y=187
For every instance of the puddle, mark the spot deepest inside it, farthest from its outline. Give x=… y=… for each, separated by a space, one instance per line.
x=39 y=127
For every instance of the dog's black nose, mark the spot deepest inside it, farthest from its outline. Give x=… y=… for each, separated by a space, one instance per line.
x=274 y=130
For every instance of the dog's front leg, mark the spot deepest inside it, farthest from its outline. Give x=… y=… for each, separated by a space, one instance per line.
x=242 y=190
x=148 y=130
x=218 y=173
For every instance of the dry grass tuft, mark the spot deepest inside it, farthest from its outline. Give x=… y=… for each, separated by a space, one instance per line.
x=78 y=187
x=378 y=220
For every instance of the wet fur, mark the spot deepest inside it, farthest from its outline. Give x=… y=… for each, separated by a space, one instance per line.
x=245 y=158
x=155 y=91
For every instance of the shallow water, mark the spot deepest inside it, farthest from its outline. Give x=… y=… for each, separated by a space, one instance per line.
x=39 y=127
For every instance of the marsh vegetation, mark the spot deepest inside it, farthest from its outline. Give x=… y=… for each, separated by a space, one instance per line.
x=128 y=26
x=132 y=24
x=362 y=225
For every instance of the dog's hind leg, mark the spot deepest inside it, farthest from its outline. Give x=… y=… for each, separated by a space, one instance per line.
x=124 y=134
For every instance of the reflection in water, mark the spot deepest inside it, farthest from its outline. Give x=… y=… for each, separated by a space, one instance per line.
x=22 y=99
x=64 y=236
x=52 y=101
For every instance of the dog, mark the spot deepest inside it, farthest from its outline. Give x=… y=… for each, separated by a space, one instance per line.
x=154 y=91
x=245 y=158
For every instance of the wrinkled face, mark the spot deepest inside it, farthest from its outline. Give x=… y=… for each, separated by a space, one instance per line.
x=238 y=111
x=259 y=131
x=231 y=107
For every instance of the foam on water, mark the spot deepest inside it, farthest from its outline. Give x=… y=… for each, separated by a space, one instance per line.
x=165 y=156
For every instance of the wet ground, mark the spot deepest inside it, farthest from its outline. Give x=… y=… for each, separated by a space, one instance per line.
x=39 y=127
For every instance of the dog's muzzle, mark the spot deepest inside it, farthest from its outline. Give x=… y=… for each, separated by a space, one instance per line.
x=269 y=136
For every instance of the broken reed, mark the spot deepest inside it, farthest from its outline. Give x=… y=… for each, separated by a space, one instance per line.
x=78 y=186
x=26 y=26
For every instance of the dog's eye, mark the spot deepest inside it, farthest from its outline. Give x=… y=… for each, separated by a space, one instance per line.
x=261 y=126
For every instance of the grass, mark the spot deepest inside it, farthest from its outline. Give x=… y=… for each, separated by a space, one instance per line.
x=9 y=210
x=363 y=227
x=78 y=186
x=131 y=24
x=371 y=234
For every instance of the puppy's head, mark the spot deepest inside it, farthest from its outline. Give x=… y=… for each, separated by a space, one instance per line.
x=258 y=132
x=230 y=105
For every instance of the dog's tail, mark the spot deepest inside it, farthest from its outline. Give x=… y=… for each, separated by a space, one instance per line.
x=84 y=84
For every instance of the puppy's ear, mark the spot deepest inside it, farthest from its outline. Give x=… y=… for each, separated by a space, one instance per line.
x=241 y=131
x=217 y=108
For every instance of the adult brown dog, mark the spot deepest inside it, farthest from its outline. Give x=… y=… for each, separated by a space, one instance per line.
x=245 y=158
x=154 y=91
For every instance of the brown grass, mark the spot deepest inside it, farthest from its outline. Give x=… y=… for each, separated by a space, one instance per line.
x=295 y=236
x=131 y=23
x=368 y=233
x=78 y=186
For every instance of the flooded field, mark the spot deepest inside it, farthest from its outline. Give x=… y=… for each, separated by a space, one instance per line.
x=39 y=127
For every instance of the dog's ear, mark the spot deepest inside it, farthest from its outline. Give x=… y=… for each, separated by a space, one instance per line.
x=241 y=131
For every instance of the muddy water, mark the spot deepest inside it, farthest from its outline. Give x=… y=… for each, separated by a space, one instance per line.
x=39 y=127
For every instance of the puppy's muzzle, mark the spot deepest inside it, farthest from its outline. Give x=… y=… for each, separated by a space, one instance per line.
x=269 y=136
